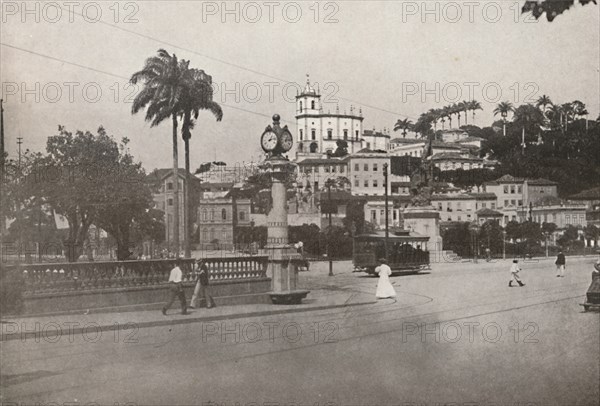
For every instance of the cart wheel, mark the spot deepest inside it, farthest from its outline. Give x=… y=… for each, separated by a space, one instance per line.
x=586 y=308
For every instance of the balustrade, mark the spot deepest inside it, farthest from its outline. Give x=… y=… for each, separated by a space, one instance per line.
x=93 y=276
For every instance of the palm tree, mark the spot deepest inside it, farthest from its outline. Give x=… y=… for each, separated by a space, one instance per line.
x=474 y=105
x=197 y=95
x=448 y=112
x=555 y=114
x=568 y=112
x=435 y=116
x=464 y=105
x=503 y=109
x=543 y=101
x=403 y=125
x=164 y=79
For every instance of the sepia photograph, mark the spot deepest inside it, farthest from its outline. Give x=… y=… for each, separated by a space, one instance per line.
x=300 y=203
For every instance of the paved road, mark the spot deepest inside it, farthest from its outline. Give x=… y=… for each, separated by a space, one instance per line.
x=458 y=334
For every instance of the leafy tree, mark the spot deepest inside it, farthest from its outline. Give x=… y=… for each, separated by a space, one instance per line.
x=341 y=148
x=552 y=8
x=570 y=239
x=490 y=236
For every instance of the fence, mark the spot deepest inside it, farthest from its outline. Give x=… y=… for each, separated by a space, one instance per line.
x=44 y=280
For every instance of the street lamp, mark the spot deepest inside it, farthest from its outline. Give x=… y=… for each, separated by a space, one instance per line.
x=503 y=244
x=329 y=231
x=385 y=188
x=474 y=229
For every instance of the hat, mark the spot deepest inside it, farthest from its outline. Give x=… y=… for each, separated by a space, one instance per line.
x=515 y=261
x=383 y=260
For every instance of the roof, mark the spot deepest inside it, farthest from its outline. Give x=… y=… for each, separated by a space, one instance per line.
x=461 y=196
x=321 y=161
x=541 y=182
x=455 y=156
x=484 y=196
x=589 y=194
x=486 y=212
x=158 y=175
x=441 y=144
x=406 y=141
x=452 y=130
x=370 y=133
x=470 y=139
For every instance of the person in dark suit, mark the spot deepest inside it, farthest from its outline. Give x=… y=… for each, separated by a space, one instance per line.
x=201 y=287
x=560 y=265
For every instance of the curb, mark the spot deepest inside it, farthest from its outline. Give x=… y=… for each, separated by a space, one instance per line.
x=168 y=322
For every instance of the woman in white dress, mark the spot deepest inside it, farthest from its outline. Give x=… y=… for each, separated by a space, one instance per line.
x=385 y=289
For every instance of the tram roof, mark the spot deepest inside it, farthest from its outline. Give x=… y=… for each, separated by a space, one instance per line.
x=406 y=236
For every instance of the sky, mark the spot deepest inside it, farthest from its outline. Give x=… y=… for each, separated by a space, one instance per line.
x=69 y=64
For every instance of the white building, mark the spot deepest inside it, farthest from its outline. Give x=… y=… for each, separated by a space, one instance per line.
x=318 y=132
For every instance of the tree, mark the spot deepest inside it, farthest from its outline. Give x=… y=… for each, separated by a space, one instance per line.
x=552 y=8
x=529 y=117
x=197 y=96
x=543 y=101
x=164 y=78
x=129 y=207
x=503 y=109
x=473 y=106
x=341 y=148
x=403 y=125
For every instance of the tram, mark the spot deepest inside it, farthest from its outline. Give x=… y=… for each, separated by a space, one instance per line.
x=406 y=252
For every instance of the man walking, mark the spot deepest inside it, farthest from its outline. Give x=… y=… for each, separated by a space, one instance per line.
x=514 y=272
x=202 y=286
x=176 y=289
x=560 y=265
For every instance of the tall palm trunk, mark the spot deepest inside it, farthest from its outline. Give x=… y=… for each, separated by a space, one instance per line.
x=186 y=201
x=175 y=188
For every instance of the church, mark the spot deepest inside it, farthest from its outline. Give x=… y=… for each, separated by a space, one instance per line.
x=318 y=132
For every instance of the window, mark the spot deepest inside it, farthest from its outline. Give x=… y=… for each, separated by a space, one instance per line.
x=366 y=183
x=512 y=189
x=506 y=203
x=205 y=234
x=301 y=134
x=312 y=104
x=329 y=134
x=224 y=234
x=316 y=185
x=512 y=202
x=313 y=134
x=204 y=215
x=242 y=215
x=519 y=189
x=223 y=214
x=493 y=206
x=567 y=219
x=374 y=182
x=458 y=206
x=356 y=134
x=374 y=167
x=170 y=202
x=342 y=169
x=326 y=169
x=520 y=202
x=459 y=218
x=368 y=145
x=483 y=204
x=356 y=167
x=300 y=106
x=170 y=186
x=440 y=206
x=212 y=214
x=373 y=215
x=345 y=134
x=356 y=182
x=366 y=167
x=505 y=188
x=395 y=215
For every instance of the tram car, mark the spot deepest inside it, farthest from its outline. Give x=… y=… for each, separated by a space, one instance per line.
x=406 y=252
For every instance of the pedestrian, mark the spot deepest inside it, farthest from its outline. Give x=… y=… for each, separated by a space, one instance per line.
x=201 y=287
x=560 y=265
x=176 y=289
x=385 y=289
x=514 y=272
x=488 y=254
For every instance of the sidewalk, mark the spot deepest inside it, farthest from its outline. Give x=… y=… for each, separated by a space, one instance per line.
x=14 y=328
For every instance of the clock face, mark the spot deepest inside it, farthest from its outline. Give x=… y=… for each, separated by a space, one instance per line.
x=287 y=141
x=269 y=141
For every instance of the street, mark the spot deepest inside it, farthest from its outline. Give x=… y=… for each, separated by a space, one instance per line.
x=456 y=334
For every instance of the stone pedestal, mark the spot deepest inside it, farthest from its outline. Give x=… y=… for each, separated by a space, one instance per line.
x=426 y=221
x=283 y=258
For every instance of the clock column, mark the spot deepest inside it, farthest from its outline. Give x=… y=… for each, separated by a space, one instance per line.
x=283 y=258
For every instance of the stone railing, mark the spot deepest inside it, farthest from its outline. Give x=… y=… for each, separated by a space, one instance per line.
x=94 y=276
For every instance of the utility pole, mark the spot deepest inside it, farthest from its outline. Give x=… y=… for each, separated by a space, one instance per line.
x=19 y=214
x=385 y=188
x=329 y=239
x=2 y=176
